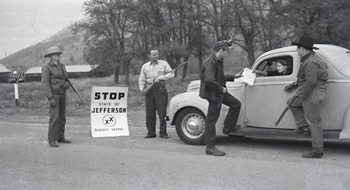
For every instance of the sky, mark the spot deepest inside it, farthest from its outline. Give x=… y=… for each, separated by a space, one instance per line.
x=26 y=22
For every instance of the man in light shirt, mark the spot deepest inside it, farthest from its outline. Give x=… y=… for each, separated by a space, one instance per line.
x=155 y=72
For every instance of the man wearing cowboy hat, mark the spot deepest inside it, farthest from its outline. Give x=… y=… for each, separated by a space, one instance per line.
x=54 y=81
x=311 y=80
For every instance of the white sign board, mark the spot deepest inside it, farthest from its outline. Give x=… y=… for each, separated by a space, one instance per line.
x=109 y=111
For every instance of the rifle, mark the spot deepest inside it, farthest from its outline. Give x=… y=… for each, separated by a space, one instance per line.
x=70 y=84
x=295 y=95
x=148 y=88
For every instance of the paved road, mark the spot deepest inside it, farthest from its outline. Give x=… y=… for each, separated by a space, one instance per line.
x=27 y=162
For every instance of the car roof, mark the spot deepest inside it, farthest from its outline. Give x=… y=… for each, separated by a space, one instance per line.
x=337 y=56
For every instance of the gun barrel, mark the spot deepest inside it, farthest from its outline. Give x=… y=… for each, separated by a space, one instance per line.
x=288 y=106
x=282 y=115
x=146 y=90
x=71 y=85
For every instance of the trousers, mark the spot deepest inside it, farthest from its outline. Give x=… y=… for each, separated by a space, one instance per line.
x=307 y=112
x=214 y=113
x=57 y=120
x=156 y=101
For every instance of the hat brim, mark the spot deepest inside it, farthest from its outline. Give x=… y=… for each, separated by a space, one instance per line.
x=49 y=54
x=300 y=44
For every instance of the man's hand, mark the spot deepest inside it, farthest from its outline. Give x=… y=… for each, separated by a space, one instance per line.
x=224 y=90
x=65 y=86
x=290 y=87
x=52 y=102
x=238 y=76
x=142 y=92
x=156 y=79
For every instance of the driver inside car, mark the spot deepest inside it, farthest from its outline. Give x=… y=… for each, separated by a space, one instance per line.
x=283 y=68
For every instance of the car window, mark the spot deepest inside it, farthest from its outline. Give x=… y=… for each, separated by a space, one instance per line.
x=268 y=67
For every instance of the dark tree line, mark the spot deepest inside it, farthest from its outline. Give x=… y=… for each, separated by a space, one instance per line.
x=120 y=31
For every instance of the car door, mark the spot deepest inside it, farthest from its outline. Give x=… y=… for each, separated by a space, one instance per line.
x=265 y=100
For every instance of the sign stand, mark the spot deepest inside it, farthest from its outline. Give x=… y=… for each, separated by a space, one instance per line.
x=16 y=94
x=16 y=78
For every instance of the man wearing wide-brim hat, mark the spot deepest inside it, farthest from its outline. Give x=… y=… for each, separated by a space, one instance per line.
x=311 y=80
x=55 y=84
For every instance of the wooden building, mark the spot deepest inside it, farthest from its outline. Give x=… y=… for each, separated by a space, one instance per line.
x=74 y=71
x=3 y=73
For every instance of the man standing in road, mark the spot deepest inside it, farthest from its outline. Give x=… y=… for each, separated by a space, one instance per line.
x=311 y=79
x=213 y=89
x=55 y=84
x=155 y=73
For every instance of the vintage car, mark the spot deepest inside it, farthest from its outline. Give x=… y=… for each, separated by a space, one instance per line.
x=264 y=101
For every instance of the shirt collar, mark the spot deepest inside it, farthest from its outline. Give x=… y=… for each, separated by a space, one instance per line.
x=306 y=56
x=156 y=63
x=215 y=57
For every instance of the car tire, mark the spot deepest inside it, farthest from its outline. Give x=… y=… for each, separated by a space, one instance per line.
x=190 y=126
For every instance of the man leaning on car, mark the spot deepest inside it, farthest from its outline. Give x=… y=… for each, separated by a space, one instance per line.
x=213 y=89
x=311 y=79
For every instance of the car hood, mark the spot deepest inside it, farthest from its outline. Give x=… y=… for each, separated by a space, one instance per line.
x=195 y=85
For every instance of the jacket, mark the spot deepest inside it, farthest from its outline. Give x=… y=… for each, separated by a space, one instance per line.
x=212 y=79
x=312 y=72
x=53 y=78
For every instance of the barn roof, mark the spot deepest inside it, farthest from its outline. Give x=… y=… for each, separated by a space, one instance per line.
x=69 y=68
x=3 y=69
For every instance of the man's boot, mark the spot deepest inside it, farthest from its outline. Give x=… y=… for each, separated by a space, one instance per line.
x=313 y=155
x=53 y=144
x=212 y=150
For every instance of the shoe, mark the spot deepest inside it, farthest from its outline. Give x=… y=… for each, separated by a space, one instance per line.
x=231 y=129
x=214 y=151
x=302 y=130
x=150 y=136
x=307 y=131
x=53 y=144
x=299 y=130
x=313 y=155
x=164 y=136
x=63 y=141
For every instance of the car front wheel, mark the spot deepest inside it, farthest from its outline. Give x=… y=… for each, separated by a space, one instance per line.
x=190 y=126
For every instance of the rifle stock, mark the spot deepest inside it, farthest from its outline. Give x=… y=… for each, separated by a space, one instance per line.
x=287 y=107
x=148 y=88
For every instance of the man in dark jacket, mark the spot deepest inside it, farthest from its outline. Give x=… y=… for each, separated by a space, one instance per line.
x=55 y=85
x=213 y=89
x=311 y=80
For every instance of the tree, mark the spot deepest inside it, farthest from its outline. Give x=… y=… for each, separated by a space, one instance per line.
x=107 y=30
x=326 y=21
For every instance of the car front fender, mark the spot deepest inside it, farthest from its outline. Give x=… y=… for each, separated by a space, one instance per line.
x=185 y=100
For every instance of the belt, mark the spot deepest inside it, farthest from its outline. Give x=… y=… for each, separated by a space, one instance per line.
x=158 y=87
x=57 y=92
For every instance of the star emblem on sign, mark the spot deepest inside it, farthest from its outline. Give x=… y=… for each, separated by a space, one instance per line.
x=109 y=120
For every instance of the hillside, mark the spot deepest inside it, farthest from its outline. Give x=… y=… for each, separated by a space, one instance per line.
x=71 y=44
